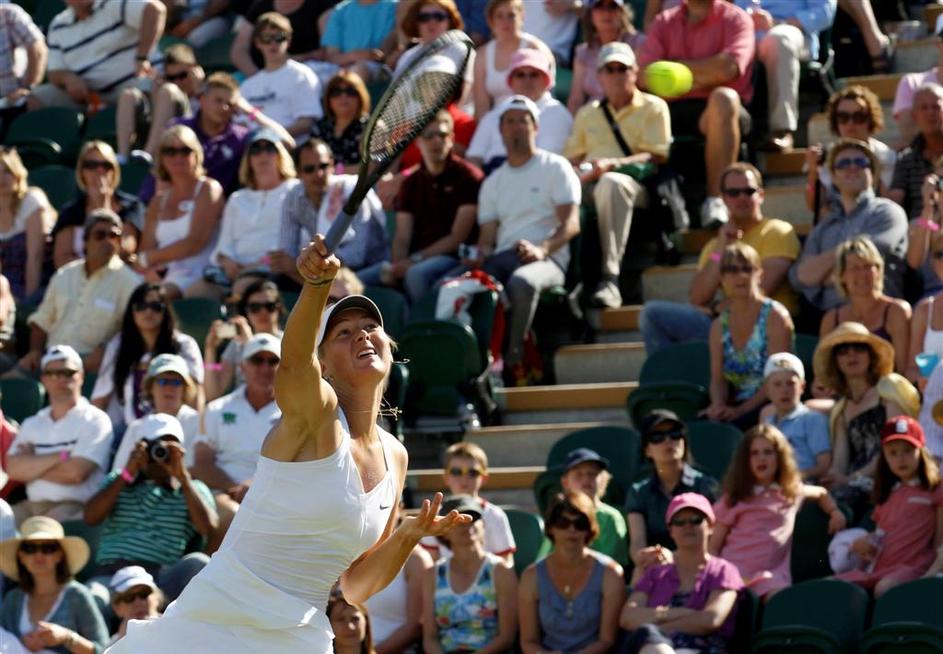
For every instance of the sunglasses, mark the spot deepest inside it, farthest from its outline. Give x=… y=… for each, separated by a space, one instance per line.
x=580 y=524
x=474 y=473
x=694 y=521
x=131 y=596
x=45 y=548
x=173 y=382
x=156 y=306
x=748 y=191
x=857 y=162
x=310 y=168
x=255 y=307
x=428 y=136
x=338 y=91
x=171 y=151
x=661 y=436
x=261 y=147
x=615 y=69
x=277 y=37
x=938 y=255
x=857 y=117
x=845 y=348
x=426 y=16
x=102 y=234
x=263 y=361
x=523 y=74
x=93 y=164
x=177 y=77
x=60 y=374
x=733 y=270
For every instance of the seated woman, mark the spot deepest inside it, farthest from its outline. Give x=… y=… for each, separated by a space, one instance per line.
x=26 y=218
x=470 y=599
x=687 y=605
x=346 y=105
x=147 y=330
x=98 y=175
x=747 y=331
x=859 y=277
x=665 y=444
x=570 y=601
x=49 y=609
x=351 y=624
x=922 y=241
x=134 y=596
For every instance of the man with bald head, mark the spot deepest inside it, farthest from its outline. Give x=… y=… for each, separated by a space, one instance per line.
x=916 y=161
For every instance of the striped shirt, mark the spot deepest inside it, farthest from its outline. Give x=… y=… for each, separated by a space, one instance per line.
x=149 y=524
x=101 y=49
x=911 y=169
x=17 y=30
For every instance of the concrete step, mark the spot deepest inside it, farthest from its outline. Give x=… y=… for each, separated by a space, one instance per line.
x=787 y=203
x=884 y=86
x=520 y=445
x=667 y=282
x=633 y=336
x=565 y=403
x=787 y=164
x=507 y=486
x=916 y=56
x=599 y=362
x=621 y=319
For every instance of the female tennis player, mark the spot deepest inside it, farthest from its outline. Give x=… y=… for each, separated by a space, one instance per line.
x=323 y=502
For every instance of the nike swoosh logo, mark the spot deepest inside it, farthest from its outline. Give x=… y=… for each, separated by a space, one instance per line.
x=384 y=508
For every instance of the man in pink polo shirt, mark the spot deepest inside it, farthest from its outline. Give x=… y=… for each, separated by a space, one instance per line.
x=715 y=39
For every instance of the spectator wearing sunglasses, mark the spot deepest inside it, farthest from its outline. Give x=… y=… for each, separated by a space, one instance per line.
x=134 y=596
x=570 y=600
x=687 y=604
x=915 y=162
x=234 y=427
x=148 y=329
x=466 y=472
x=346 y=109
x=854 y=210
x=86 y=298
x=285 y=90
x=666 y=323
x=665 y=444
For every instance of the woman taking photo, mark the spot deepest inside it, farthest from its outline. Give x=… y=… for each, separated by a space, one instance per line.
x=49 y=610
x=346 y=105
x=98 y=175
x=264 y=588
x=182 y=219
x=570 y=601
x=748 y=330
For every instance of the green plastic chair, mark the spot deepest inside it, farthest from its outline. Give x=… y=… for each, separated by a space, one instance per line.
x=21 y=398
x=47 y=132
x=195 y=315
x=528 y=531
x=395 y=395
x=133 y=174
x=481 y=310
x=712 y=445
x=907 y=620
x=88 y=384
x=805 y=349
x=45 y=11
x=91 y=535
x=825 y=616
x=57 y=182
x=101 y=125
x=810 y=539
x=392 y=305
x=684 y=362
x=746 y=620
x=687 y=400
x=214 y=55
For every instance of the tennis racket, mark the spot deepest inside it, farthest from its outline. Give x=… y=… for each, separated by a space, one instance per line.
x=413 y=98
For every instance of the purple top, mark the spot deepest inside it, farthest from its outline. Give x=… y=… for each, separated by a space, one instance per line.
x=661 y=583
x=221 y=154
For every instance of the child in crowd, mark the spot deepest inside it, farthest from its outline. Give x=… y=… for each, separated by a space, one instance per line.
x=763 y=492
x=909 y=513
x=134 y=596
x=805 y=429
x=466 y=471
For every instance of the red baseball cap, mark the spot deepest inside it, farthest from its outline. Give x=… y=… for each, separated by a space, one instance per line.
x=903 y=428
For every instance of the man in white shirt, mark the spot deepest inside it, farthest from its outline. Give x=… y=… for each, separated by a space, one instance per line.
x=285 y=90
x=61 y=452
x=528 y=210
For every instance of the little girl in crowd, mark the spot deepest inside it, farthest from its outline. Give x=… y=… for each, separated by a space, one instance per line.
x=909 y=513
x=763 y=492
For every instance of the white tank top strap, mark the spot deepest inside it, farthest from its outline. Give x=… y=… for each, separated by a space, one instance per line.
x=932 y=338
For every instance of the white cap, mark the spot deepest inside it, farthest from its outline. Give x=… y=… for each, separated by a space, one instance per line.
x=128 y=577
x=784 y=361
x=155 y=425
x=61 y=353
x=262 y=343
x=349 y=302
x=618 y=52
x=521 y=102
x=168 y=363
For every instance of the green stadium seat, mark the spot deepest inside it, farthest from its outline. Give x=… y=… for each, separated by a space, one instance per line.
x=168 y=40
x=713 y=445
x=395 y=395
x=46 y=136
x=45 y=11
x=825 y=616
x=57 y=182
x=805 y=349
x=101 y=126
x=687 y=400
x=528 y=531
x=907 y=620
x=684 y=362
x=561 y=88
x=21 y=398
x=810 y=539
x=392 y=305
x=88 y=384
x=747 y=621
x=91 y=535
x=133 y=174
x=214 y=55
x=481 y=310
x=195 y=315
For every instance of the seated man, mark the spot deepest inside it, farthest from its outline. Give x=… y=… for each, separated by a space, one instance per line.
x=916 y=161
x=664 y=323
x=715 y=40
x=20 y=34
x=97 y=49
x=154 y=488
x=854 y=211
x=907 y=89
x=625 y=128
x=60 y=453
x=435 y=215
x=528 y=211
x=85 y=302
x=235 y=426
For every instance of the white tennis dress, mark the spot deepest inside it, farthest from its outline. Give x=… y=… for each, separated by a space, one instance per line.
x=266 y=590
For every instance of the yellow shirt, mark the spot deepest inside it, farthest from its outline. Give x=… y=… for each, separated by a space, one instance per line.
x=771 y=238
x=84 y=311
x=645 y=125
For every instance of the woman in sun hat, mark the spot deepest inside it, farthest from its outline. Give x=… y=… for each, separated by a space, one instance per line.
x=49 y=610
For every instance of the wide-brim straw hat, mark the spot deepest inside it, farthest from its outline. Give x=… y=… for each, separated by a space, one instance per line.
x=41 y=528
x=852 y=332
x=899 y=390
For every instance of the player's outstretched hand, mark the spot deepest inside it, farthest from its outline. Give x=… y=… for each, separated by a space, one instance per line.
x=428 y=522
x=315 y=264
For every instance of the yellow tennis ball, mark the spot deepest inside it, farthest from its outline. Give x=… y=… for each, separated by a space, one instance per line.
x=668 y=79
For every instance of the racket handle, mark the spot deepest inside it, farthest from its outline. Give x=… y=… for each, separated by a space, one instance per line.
x=336 y=233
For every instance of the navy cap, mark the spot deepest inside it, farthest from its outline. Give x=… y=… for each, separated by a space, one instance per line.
x=659 y=417
x=585 y=455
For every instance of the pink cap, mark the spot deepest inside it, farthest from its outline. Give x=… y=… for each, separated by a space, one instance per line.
x=689 y=501
x=533 y=59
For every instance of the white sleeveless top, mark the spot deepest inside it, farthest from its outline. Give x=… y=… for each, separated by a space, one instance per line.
x=183 y=272
x=266 y=590
x=932 y=338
